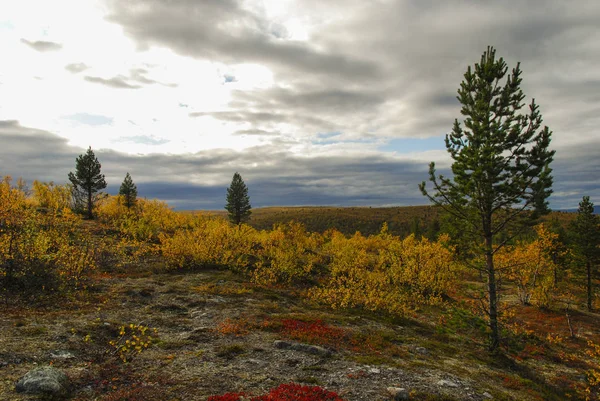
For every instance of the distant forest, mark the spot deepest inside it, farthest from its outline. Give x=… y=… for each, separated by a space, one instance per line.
x=426 y=221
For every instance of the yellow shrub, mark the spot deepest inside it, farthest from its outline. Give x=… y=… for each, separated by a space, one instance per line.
x=531 y=267
x=287 y=253
x=383 y=272
x=41 y=247
x=208 y=242
x=143 y=222
x=51 y=197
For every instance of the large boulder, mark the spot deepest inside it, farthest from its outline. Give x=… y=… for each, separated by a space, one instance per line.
x=47 y=380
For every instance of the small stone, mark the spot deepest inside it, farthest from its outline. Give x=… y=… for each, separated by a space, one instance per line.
x=46 y=380
x=447 y=383
x=488 y=396
x=398 y=393
x=62 y=355
x=420 y=350
x=375 y=371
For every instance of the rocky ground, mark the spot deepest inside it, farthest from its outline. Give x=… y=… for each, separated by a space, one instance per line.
x=218 y=334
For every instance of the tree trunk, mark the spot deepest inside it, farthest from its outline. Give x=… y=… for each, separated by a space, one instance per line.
x=555 y=262
x=589 y=285
x=89 y=205
x=493 y=296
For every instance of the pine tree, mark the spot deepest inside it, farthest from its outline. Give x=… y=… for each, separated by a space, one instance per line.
x=238 y=202
x=128 y=191
x=585 y=233
x=500 y=165
x=87 y=181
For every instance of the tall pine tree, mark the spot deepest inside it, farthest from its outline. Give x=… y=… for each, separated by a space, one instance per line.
x=238 y=201
x=128 y=192
x=501 y=170
x=585 y=233
x=87 y=181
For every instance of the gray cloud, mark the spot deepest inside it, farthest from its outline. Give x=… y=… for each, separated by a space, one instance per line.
x=265 y=120
x=42 y=45
x=136 y=79
x=330 y=101
x=241 y=36
x=119 y=82
x=257 y=132
x=140 y=75
x=76 y=68
x=274 y=175
x=34 y=154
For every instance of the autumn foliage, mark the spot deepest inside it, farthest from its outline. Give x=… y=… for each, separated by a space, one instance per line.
x=379 y=272
x=532 y=266
x=384 y=272
x=285 y=392
x=42 y=247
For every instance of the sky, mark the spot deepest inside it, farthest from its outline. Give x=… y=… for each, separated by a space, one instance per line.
x=338 y=102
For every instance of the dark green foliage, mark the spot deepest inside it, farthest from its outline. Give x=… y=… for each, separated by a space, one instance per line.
x=559 y=254
x=585 y=234
x=238 y=202
x=128 y=191
x=502 y=177
x=87 y=181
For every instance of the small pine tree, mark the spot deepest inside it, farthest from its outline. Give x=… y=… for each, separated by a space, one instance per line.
x=585 y=232
x=87 y=181
x=501 y=167
x=128 y=191
x=238 y=201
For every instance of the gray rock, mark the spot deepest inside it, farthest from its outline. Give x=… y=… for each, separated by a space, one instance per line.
x=488 y=396
x=420 y=350
x=62 y=355
x=447 y=383
x=398 y=393
x=46 y=380
x=307 y=348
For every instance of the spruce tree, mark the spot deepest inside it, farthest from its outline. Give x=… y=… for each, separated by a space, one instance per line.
x=128 y=192
x=585 y=233
x=87 y=181
x=502 y=177
x=238 y=201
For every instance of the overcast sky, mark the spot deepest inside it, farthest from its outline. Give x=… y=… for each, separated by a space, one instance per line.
x=338 y=102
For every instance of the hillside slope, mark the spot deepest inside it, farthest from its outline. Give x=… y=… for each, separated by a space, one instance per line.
x=216 y=334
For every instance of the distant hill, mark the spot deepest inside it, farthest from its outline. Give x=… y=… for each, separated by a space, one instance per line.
x=596 y=210
x=368 y=220
x=401 y=220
